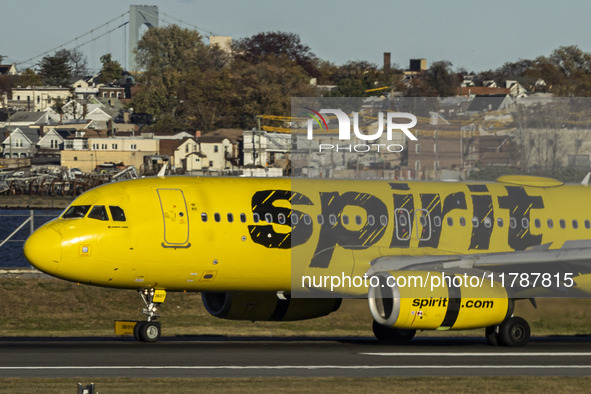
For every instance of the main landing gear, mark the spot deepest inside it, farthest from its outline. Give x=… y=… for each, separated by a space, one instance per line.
x=149 y=330
x=512 y=332
x=391 y=334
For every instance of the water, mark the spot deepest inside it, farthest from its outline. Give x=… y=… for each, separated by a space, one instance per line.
x=11 y=253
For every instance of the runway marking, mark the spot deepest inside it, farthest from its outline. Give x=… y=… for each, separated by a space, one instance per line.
x=283 y=367
x=447 y=354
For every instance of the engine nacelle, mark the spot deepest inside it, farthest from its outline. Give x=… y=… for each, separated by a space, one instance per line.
x=255 y=306
x=411 y=306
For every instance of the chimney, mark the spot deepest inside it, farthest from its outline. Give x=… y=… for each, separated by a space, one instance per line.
x=387 y=61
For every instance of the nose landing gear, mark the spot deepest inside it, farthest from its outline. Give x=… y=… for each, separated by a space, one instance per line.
x=150 y=330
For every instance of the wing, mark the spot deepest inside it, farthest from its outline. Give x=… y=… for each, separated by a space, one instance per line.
x=537 y=272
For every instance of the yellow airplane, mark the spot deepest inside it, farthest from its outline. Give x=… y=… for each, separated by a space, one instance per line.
x=427 y=255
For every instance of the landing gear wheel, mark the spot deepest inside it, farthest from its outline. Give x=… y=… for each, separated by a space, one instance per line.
x=390 y=334
x=136 y=330
x=491 y=335
x=149 y=331
x=514 y=332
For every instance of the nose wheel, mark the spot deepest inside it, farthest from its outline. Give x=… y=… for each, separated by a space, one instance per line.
x=150 y=330
x=147 y=331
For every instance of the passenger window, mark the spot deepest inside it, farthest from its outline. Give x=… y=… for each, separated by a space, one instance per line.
x=587 y=224
x=320 y=219
x=537 y=223
x=117 y=213
x=243 y=218
x=575 y=224
x=281 y=218
x=332 y=219
x=525 y=223
x=562 y=223
x=358 y=220
x=424 y=224
x=294 y=219
x=487 y=222
x=383 y=220
x=217 y=217
x=256 y=218
x=307 y=220
x=475 y=222
x=550 y=223
x=78 y=211
x=230 y=218
x=402 y=218
x=268 y=218
x=437 y=221
x=345 y=219
x=450 y=222
x=512 y=222
x=462 y=221
x=98 y=212
x=371 y=220
x=203 y=217
x=500 y=222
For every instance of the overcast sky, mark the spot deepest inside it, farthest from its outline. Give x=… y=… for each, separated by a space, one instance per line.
x=472 y=34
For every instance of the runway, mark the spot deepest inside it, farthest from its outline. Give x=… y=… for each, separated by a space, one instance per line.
x=301 y=357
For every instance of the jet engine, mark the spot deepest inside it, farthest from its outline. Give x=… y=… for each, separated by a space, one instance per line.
x=407 y=300
x=257 y=306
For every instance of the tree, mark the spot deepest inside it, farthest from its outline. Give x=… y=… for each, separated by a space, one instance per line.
x=29 y=78
x=111 y=70
x=263 y=47
x=56 y=70
x=58 y=107
x=442 y=79
x=78 y=63
x=169 y=48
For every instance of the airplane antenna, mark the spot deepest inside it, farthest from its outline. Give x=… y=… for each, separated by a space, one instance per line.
x=162 y=171
x=586 y=179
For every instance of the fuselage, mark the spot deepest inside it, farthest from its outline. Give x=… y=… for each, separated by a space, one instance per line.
x=229 y=234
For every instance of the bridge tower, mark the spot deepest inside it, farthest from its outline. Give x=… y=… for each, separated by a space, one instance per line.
x=139 y=15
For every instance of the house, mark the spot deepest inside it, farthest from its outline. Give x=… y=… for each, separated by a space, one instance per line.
x=524 y=86
x=91 y=148
x=8 y=69
x=489 y=103
x=54 y=139
x=262 y=148
x=19 y=141
x=32 y=119
x=210 y=153
x=37 y=98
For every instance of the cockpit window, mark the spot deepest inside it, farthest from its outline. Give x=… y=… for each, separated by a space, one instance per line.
x=76 y=211
x=117 y=213
x=98 y=212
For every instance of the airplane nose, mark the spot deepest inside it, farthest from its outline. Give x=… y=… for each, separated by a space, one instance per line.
x=43 y=249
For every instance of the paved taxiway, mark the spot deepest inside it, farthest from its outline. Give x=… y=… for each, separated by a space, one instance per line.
x=305 y=357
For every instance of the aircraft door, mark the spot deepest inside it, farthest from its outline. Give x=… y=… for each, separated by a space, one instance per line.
x=176 y=219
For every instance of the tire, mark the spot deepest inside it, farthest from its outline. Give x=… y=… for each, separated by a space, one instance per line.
x=150 y=331
x=514 y=332
x=136 y=330
x=390 y=334
x=491 y=335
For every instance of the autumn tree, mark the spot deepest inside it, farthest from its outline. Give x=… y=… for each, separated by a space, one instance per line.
x=29 y=78
x=264 y=47
x=111 y=70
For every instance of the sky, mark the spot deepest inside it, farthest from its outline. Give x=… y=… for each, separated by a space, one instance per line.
x=474 y=35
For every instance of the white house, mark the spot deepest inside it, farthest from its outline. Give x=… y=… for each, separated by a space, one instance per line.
x=54 y=139
x=19 y=142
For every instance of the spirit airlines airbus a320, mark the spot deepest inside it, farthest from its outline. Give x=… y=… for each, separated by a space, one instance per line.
x=248 y=244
